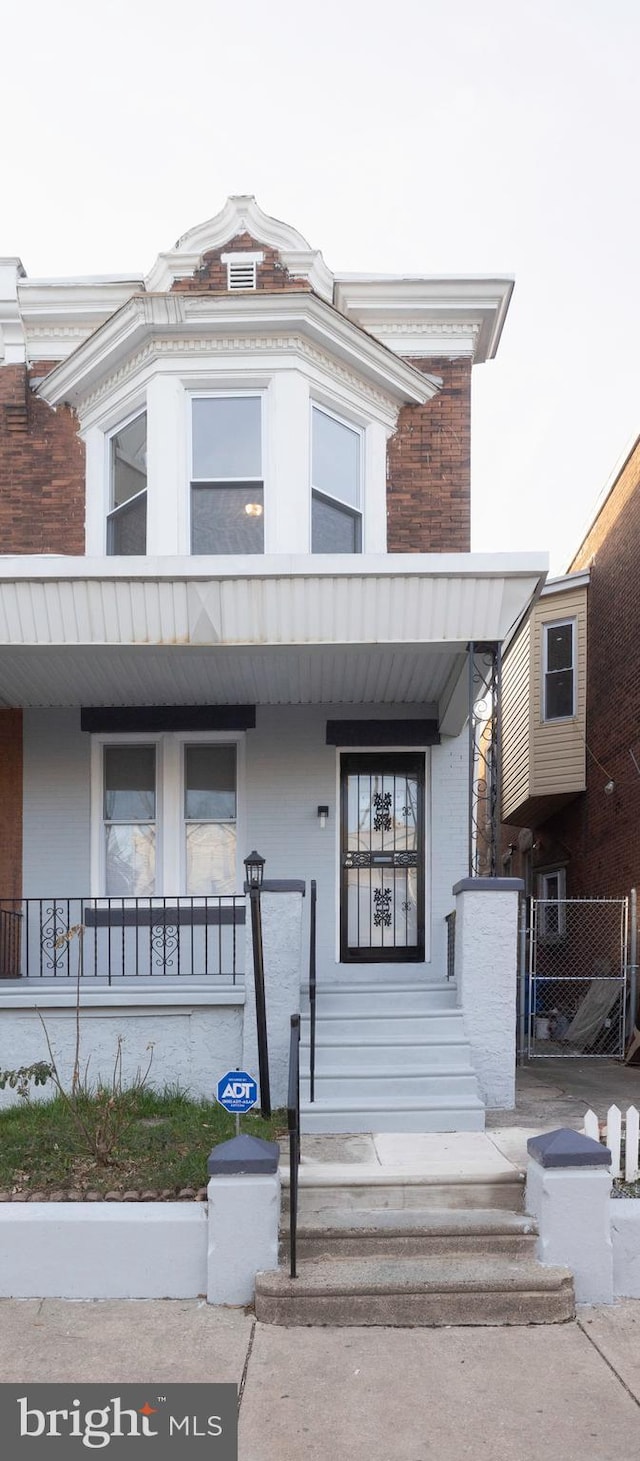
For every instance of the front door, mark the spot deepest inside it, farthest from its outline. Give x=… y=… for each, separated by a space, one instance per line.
x=382 y=858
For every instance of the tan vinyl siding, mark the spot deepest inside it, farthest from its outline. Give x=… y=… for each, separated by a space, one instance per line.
x=558 y=754
x=516 y=707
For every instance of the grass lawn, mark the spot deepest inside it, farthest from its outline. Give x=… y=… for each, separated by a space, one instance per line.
x=163 y=1149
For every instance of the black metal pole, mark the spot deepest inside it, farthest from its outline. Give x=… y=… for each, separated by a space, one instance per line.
x=261 y=1009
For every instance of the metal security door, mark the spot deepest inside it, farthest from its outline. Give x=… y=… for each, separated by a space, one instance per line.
x=382 y=858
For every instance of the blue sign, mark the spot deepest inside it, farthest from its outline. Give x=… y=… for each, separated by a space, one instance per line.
x=237 y=1092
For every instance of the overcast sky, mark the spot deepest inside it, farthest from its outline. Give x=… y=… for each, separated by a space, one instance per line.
x=474 y=136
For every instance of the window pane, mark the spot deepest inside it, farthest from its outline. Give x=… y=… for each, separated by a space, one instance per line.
x=129 y=461
x=129 y=783
x=127 y=528
x=336 y=459
x=559 y=646
x=130 y=860
x=211 y=857
x=220 y=522
x=333 y=529
x=559 y=694
x=227 y=437
x=210 y=783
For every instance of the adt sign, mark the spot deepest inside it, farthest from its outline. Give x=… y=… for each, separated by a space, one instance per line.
x=237 y=1092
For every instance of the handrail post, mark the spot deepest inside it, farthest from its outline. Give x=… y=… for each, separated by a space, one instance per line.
x=312 y=991
x=293 y=1123
x=261 y=1008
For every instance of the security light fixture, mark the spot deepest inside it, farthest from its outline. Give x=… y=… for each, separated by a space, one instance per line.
x=323 y=813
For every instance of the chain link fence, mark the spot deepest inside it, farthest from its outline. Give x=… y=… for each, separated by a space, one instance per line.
x=576 y=987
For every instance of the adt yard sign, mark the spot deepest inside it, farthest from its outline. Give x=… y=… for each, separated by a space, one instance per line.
x=237 y=1092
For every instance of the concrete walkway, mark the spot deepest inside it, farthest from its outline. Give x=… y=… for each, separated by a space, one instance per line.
x=561 y=1392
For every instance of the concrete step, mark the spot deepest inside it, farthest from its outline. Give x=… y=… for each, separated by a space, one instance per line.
x=384 y=998
x=413 y=1232
x=402 y=1114
x=326 y=1188
x=383 y=1056
x=393 y=1025
x=414 y=1292
x=390 y=1087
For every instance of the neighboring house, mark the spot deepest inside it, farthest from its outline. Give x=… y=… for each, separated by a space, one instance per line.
x=571 y=781
x=237 y=610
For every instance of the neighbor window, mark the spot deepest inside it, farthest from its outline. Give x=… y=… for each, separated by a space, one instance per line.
x=127 y=518
x=129 y=813
x=336 y=517
x=210 y=818
x=559 y=670
x=227 y=496
x=552 y=893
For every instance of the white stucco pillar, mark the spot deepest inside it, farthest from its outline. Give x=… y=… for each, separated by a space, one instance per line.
x=568 y=1192
x=486 y=959
x=281 y=907
x=244 y=1217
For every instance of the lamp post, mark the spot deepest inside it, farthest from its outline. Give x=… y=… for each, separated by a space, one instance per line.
x=254 y=871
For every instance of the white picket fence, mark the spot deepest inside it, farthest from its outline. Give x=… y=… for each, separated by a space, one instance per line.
x=621 y=1133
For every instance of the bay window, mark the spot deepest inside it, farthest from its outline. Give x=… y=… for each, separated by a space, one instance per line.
x=127 y=517
x=227 y=494
x=336 y=515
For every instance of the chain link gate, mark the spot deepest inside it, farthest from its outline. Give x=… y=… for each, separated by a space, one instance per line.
x=575 y=989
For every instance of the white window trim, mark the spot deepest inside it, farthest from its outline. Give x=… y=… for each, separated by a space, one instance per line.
x=315 y=404
x=259 y=393
x=558 y=624
x=170 y=848
x=544 y=901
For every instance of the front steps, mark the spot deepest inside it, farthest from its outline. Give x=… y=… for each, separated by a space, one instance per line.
x=369 y=1256
x=390 y=1056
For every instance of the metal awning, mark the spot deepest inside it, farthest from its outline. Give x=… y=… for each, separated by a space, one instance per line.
x=377 y=630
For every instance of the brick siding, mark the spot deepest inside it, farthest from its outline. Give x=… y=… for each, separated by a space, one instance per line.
x=429 y=473
x=42 y=469
x=211 y=275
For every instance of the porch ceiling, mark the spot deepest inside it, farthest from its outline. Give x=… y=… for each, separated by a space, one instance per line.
x=385 y=630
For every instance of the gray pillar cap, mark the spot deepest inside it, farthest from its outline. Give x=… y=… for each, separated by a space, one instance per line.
x=249 y=1154
x=567 y=1148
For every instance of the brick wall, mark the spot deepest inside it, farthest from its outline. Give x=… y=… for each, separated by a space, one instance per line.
x=42 y=470
x=429 y=476
x=10 y=804
x=211 y=275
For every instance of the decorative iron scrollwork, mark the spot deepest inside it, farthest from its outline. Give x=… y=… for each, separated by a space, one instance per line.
x=382 y=907
x=165 y=938
x=53 y=927
x=381 y=803
x=484 y=698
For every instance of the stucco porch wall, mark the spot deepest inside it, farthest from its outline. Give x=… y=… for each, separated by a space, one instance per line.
x=289 y=771
x=195 y=1038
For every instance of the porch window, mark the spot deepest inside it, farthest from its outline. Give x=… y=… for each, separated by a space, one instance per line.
x=227 y=493
x=559 y=670
x=130 y=820
x=336 y=516
x=210 y=818
x=127 y=518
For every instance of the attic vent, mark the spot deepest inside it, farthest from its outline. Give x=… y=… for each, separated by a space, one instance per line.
x=241 y=270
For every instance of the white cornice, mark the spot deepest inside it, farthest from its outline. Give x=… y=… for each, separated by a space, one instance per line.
x=241 y=214
x=414 y=315
x=154 y=323
x=12 y=346
x=58 y=314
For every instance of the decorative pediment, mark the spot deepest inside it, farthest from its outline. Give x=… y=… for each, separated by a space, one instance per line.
x=241 y=215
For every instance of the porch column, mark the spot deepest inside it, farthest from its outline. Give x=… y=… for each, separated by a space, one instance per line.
x=282 y=905
x=486 y=961
x=484 y=758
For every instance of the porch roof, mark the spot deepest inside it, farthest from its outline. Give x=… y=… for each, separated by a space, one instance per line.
x=389 y=629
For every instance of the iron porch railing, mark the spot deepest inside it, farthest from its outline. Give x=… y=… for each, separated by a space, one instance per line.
x=293 y=1124
x=115 y=938
x=312 y=990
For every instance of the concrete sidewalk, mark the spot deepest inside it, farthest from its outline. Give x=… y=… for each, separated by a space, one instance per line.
x=513 y=1394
